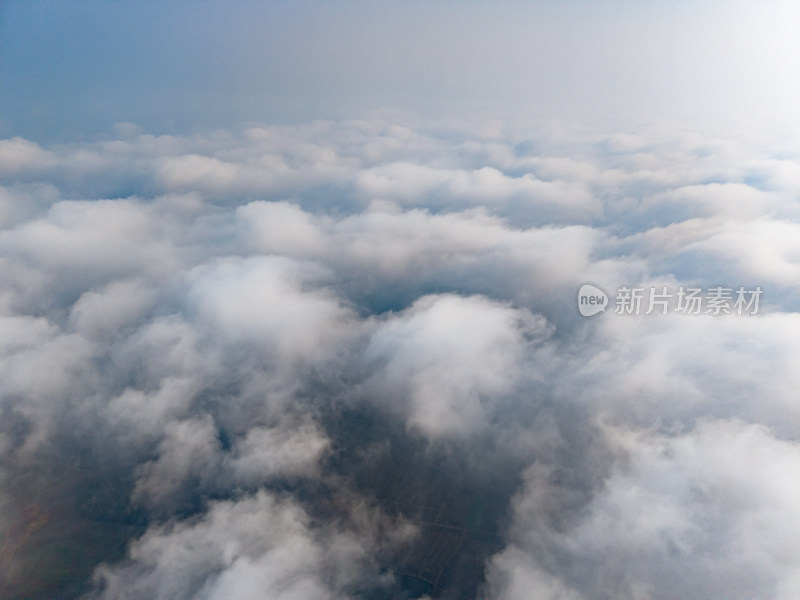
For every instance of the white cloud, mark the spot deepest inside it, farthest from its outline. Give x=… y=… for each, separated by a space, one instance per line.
x=261 y=300
x=280 y=228
x=709 y=513
x=240 y=550
x=265 y=453
x=208 y=319
x=449 y=359
x=18 y=155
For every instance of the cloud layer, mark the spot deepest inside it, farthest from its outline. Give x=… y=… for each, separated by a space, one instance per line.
x=344 y=360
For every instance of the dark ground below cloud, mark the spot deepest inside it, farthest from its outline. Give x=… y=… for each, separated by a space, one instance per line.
x=79 y=514
x=460 y=509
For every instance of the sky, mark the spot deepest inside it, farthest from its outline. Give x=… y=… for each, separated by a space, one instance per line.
x=291 y=300
x=75 y=68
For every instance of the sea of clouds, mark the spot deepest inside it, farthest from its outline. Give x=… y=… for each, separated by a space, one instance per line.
x=188 y=323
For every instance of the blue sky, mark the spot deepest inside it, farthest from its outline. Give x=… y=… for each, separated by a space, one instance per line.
x=72 y=69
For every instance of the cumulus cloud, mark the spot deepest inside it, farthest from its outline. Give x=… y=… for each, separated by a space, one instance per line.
x=705 y=514
x=258 y=546
x=344 y=360
x=449 y=357
x=18 y=155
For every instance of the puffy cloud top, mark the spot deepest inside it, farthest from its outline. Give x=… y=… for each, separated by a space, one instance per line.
x=344 y=360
